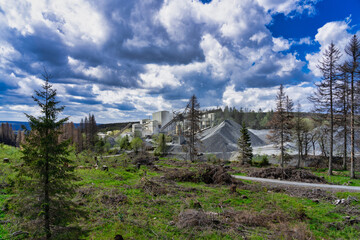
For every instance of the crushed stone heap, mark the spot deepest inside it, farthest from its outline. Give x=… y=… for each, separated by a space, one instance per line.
x=224 y=137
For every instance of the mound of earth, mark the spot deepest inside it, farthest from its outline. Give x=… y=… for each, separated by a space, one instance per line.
x=207 y=173
x=224 y=137
x=289 y=174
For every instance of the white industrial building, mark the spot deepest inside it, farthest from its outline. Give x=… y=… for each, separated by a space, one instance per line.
x=162 y=117
x=148 y=127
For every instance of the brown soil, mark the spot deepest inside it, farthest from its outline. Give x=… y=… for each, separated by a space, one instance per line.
x=208 y=174
x=276 y=224
x=289 y=174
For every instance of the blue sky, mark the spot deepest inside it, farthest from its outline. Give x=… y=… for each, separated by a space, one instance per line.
x=123 y=60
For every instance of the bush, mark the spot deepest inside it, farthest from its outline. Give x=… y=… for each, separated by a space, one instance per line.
x=211 y=158
x=260 y=161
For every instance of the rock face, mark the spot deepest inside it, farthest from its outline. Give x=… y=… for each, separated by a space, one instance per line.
x=224 y=137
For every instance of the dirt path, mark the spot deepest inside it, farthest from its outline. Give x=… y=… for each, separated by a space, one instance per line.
x=336 y=188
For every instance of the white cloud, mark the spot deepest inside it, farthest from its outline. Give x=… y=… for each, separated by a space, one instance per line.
x=141 y=100
x=25 y=85
x=158 y=76
x=288 y=6
x=78 y=66
x=74 y=21
x=336 y=32
x=305 y=40
x=255 y=98
x=280 y=44
x=232 y=19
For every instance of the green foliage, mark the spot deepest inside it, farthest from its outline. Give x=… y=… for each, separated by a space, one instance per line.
x=44 y=182
x=244 y=143
x=211 y=158
x=161 y=147
x=124 y=143
x=99 y=146
x=260 y=161
x=136 y=144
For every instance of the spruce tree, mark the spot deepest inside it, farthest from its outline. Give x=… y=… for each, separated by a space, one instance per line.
x=45 y=180
x=245 y=149
x=161 y=147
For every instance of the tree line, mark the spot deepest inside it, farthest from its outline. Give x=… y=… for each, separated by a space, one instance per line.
x=252 y=119
x=10 y=137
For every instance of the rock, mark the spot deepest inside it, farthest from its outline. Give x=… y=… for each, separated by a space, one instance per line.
x=17 y=233
x=118 y=237
x=6 y=160
x=105 y=168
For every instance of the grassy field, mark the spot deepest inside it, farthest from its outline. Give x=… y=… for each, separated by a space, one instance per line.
x=146 y=203
x=339 y=177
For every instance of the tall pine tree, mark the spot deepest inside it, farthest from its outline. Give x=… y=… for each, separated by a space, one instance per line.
x=245 y=149
x=45 y=181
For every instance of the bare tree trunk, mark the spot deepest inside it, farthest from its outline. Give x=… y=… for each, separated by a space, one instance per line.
x=352 y=129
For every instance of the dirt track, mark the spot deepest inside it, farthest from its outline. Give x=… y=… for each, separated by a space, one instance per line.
x=336 y=188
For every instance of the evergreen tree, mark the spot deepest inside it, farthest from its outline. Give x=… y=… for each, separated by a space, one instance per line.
x=244 y=143
x=45 y=181
x=161 y=148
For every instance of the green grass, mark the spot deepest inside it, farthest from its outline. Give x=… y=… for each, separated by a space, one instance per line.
x=118 y=201
x=340 y=177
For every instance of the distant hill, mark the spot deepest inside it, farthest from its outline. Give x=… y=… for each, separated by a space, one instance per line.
x=113 y=126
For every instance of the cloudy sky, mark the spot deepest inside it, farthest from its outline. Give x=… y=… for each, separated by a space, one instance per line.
x=123 y=60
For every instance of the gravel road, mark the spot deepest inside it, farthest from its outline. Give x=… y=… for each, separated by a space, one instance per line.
x=336 y=188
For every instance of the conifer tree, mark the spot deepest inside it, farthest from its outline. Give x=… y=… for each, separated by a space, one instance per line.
x=45 y=181
x=244 y=143
x=161 y=147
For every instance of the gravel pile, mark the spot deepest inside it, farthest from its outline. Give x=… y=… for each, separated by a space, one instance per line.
x=224 y=137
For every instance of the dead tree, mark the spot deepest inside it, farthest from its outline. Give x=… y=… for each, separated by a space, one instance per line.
x=343 y=109
x=281 y=122
x=323 y=98
x=192 y=118
x=352 y=67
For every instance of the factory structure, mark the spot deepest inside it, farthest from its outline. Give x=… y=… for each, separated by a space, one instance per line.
x=169 y=123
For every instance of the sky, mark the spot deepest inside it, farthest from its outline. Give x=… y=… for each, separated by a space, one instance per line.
x=123 y=60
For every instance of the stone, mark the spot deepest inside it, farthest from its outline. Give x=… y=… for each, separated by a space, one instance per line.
x=105 y=168
x=118 y=237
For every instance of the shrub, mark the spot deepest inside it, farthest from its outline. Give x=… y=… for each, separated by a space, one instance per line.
x=260 y=161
